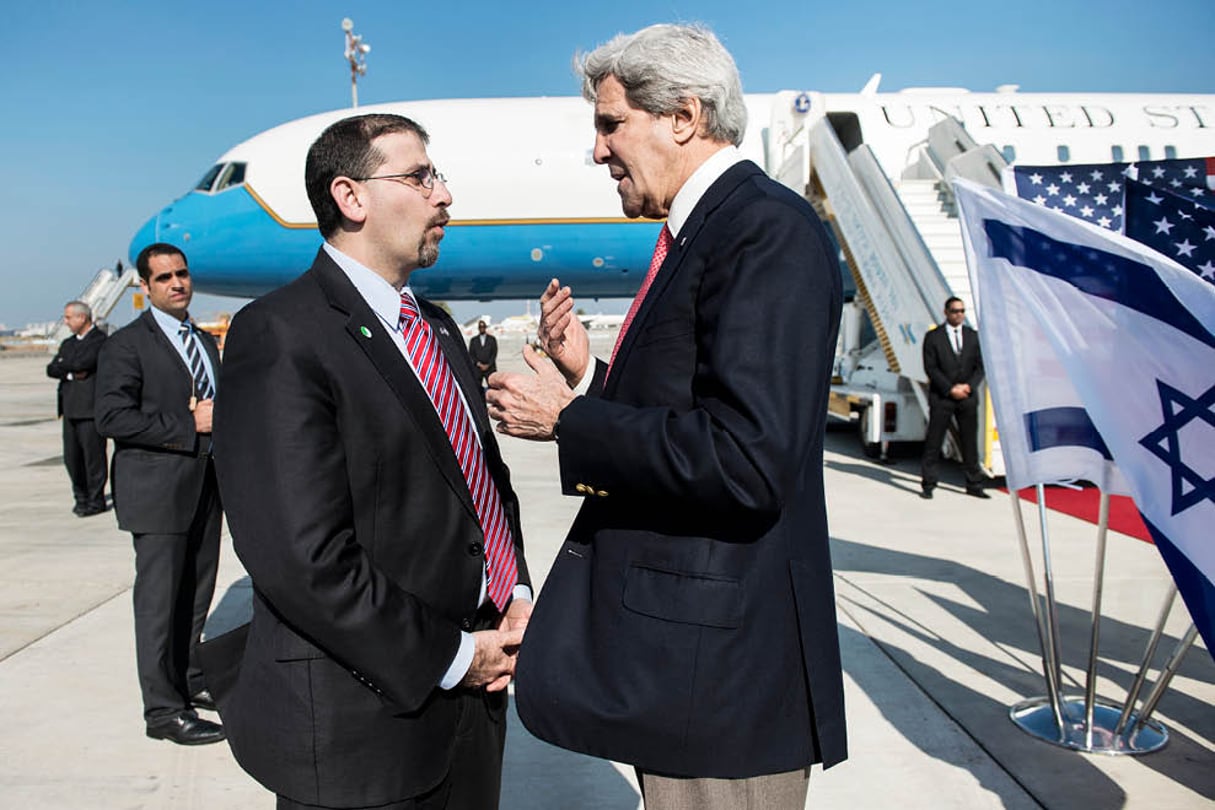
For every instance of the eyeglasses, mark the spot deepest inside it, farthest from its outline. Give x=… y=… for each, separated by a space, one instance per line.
x=956 y=311
x=422 y=180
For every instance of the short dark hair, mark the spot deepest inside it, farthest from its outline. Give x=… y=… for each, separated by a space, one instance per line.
x=951 y=299
x=344 y=150
x=156 y=249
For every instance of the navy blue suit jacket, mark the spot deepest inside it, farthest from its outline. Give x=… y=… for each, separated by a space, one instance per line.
x=709 y=646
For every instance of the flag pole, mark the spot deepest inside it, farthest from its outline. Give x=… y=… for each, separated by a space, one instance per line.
x=1148 y=654
x=1166 y=675
x=1090 y=688
x=1052 y=684
x=1048 y=579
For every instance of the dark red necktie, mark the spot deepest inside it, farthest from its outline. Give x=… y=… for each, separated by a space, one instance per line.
x=660 y=254
x=435 y=374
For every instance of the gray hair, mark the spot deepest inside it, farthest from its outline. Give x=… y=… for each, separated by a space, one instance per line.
x=80 y=308
x=663 y=66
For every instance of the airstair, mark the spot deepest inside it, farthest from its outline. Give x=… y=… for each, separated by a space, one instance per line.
x=102 y=294
x=903 y=245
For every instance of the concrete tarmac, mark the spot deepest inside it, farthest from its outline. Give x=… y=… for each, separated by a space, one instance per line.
x=936 y=632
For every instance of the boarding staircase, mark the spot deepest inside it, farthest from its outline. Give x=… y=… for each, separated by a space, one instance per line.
x=903 y=245
x=102 y=294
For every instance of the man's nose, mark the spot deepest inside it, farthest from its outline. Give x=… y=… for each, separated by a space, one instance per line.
x=600 y=153
x=441 y=195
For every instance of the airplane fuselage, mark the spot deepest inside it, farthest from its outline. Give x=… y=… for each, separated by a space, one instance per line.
x=529 y=203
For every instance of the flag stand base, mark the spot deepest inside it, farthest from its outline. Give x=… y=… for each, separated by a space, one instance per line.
x=1036 y=718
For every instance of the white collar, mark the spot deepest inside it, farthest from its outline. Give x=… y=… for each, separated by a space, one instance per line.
x=382 y=297
x=694 y=187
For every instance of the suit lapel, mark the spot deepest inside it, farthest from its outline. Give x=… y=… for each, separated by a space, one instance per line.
x=161 y=339
x=713 y=197
x=364 y=328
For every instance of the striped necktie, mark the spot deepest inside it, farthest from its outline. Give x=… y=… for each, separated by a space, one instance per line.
x=436 y=377
x=202 y=383
x=660 y=254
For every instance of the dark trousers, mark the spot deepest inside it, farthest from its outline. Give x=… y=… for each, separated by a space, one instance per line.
x=174 y=582
x=85 y=458
x=940 y=411
x=474 y=780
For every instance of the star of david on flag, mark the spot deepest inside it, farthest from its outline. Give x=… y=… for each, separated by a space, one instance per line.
x=1134 y=332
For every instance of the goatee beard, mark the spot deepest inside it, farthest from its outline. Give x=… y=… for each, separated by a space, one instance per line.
x=428 y=254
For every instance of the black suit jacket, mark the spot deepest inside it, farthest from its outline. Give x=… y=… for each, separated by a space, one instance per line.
x=143 y=404
x=76 y=356
x=484 y=354
x=348 y=508
x=711 y=646
x=946 y=368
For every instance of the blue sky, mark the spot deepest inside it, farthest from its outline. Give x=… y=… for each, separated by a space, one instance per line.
x=110 y=110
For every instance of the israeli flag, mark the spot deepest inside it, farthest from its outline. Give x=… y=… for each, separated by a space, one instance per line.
x=1134 y=334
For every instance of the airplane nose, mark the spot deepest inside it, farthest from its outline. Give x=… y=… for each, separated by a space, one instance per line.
x=146 y=235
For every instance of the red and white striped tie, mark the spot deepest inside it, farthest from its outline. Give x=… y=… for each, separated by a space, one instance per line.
x=435 y=374
x=660 y=254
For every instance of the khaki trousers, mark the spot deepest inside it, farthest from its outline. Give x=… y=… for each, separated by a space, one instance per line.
x=776 y=791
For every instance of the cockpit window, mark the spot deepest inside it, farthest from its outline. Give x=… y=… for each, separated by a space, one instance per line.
x=233 y=175
x=205 y=183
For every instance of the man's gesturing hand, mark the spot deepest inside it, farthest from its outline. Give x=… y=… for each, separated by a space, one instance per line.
x=527 y=406
x=561 y=334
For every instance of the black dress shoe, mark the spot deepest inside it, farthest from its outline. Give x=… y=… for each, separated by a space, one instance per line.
x=977 y=493
x=187 y=729
x=926 y=494
x=203 y=700
x=89 y=511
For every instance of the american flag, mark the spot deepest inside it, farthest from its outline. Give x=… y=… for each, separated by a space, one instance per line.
x=1093 y=191
x=1173 y=224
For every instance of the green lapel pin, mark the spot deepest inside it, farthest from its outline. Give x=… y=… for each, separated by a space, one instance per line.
x=365 y=331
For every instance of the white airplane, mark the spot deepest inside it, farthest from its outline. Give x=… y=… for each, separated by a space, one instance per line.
x=530 y=204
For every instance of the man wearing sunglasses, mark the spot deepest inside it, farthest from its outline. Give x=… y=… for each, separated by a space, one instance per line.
x=954 y=365
x=370 y=506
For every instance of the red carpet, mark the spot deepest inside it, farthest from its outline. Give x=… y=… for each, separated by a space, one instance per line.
x=1084 y=504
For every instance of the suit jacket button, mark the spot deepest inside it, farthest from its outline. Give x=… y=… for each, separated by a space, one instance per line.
x=583 y=488
x=475 y=549
x=466 y=625
x=602 y=493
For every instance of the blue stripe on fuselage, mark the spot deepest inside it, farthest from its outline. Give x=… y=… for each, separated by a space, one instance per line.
x=235 y=247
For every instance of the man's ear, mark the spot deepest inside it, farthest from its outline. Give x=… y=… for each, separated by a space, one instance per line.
x=348 y=196
x=688 y=120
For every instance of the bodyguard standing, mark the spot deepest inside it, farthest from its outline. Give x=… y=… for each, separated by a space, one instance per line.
x=156 y=383
x=75 y=366
x=954 y=365
x=483 y=349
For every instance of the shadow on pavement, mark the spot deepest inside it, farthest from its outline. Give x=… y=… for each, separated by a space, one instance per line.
x=1003 y=619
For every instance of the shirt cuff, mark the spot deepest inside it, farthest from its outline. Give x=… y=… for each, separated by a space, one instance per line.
x=460 y=664
x=588 y=376
x=523 y=592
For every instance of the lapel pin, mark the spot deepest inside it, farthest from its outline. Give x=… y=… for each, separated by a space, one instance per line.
x=443 y=330
x=364 y=331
